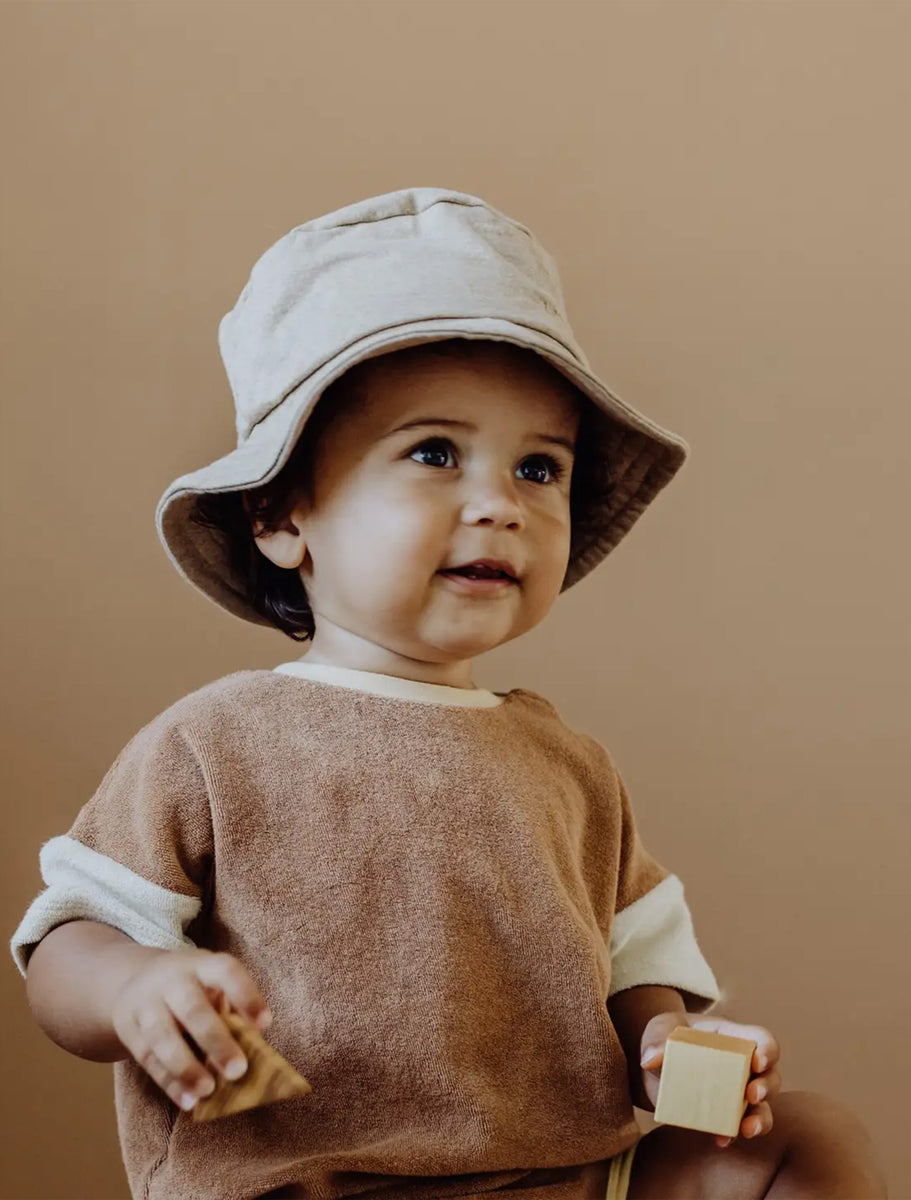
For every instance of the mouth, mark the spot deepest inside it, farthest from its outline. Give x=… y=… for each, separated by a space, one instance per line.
x=484 y=569
x=483 y=577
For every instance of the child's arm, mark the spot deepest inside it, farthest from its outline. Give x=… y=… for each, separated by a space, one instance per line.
x=99 y=994
x=73 y=974
x=630 y=1011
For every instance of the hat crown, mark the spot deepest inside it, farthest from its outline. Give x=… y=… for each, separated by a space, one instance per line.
x=410 y=255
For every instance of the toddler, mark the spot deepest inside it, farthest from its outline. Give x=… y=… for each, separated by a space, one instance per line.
x=433 y=895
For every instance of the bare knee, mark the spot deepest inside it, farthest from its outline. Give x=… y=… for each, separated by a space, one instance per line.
x=818 y=1127
x=806 y=1113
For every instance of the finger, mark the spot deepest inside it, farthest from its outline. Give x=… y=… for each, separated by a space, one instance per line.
x=767 y=1051
x=757 y=1121
x=181 y=1095
x=766 y=1054
x=224 y=973
x=158 y=1044
x=655 y=1035
x=133 y=1039
x=193 y=1009
x=652 y=1058
x=763 y=1087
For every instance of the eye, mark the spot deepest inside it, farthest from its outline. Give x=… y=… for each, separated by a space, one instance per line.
x=433 y=446
x=442 y=448
x=551 y=464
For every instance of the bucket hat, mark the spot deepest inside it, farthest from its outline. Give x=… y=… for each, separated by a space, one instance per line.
x=403 y=268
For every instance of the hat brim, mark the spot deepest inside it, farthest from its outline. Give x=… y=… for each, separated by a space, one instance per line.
x=639 y=458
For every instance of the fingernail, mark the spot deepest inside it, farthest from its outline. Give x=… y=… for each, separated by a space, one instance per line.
x=235 y=1068
x=264 y=1020
x=649 y=1056
x=187 y=1100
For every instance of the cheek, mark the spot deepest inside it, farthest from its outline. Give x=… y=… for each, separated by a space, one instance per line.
x=553 y=541
x=386 y=547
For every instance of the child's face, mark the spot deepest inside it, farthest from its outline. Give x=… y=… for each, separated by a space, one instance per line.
x=391 y=507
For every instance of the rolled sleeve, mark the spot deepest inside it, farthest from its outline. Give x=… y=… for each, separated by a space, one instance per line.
x=653 y=942
x=86 y=885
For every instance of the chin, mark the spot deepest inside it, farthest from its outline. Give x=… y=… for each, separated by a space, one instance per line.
x=469 y=647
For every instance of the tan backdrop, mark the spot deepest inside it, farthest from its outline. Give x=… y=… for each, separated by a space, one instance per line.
x=725 y=186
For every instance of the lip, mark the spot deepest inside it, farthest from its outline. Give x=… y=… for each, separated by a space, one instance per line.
x=495 y=564
x=478 y=587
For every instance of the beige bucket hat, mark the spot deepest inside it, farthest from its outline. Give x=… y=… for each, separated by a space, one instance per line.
x=417 y=265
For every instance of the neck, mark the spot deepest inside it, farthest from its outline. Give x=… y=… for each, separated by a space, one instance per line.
x=339 y=647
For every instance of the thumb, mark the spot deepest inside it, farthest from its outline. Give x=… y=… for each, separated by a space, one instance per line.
x=654 y=1037
x=651 y=1056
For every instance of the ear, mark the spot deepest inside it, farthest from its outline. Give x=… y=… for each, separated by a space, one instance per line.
x=286 y=546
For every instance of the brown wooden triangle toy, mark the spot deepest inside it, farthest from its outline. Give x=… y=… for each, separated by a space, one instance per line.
x=268 y=1077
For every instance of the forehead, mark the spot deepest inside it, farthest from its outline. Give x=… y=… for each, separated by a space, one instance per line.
x=476 y=379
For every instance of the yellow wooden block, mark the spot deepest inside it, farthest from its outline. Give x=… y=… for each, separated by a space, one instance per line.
x=703 y=1081
x=268 y=1078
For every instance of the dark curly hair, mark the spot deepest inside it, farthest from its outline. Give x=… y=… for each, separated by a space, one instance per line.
x=278 y=593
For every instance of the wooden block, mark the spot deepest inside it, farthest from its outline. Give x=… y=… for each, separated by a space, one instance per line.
x=703 y=1081
x=268 y=1077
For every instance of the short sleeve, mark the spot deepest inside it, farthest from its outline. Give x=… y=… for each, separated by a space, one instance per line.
x=652 y=936
x=139 y=853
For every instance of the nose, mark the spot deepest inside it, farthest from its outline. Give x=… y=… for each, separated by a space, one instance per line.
x=493 y=501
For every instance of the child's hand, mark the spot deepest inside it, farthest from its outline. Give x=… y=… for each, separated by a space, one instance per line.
x=764 y=1081
x=171 y=996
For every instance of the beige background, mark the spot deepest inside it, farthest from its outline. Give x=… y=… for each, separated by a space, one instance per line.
x=725 y=186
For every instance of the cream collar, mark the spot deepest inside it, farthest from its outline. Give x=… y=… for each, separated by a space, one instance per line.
x=391 y=685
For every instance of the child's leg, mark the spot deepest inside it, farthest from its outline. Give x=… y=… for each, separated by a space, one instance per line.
x=816 y=1148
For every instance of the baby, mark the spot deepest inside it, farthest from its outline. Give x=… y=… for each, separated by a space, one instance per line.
x=433 y=895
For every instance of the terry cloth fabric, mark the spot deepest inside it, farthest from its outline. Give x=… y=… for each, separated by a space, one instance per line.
x=608 y=1179
x=436 y=889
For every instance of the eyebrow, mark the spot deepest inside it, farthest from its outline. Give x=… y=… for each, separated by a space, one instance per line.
x=542 y=437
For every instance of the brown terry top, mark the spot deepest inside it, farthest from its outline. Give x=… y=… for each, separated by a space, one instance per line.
x=436 y=890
